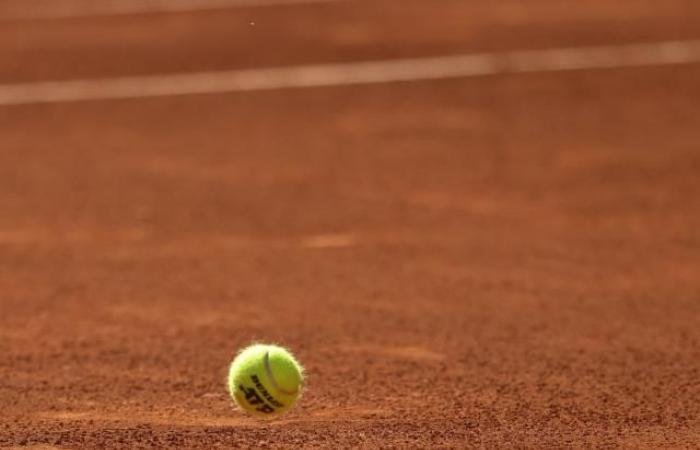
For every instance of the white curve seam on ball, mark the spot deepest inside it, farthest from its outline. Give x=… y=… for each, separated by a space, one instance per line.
x=268 y=369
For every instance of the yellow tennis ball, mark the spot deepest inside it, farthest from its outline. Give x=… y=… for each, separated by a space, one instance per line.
x=265 y=380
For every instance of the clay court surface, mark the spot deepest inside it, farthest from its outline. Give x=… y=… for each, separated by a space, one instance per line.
x=497 y=261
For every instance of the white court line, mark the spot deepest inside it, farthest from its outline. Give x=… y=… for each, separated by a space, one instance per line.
x=66 y=9
x=434 y=68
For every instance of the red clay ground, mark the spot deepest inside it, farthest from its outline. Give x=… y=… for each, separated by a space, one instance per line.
x=506 y=261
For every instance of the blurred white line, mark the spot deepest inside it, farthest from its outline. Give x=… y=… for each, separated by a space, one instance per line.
x=66 y=9
x=434 y=68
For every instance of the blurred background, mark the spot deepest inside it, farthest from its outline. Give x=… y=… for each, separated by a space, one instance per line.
x=476 y=223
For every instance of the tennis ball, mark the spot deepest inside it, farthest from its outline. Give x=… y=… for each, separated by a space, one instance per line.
x=265 y=380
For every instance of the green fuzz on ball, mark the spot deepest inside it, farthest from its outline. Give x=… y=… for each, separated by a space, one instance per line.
x=265 y=380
